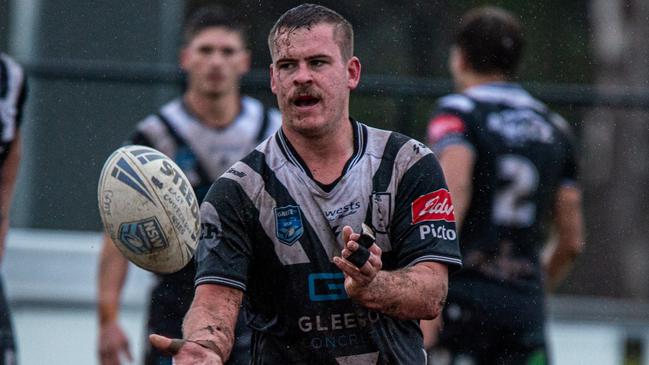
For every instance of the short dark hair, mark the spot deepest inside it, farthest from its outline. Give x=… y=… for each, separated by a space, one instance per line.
x=307 y=15
x=491 y=40
x=211 y=16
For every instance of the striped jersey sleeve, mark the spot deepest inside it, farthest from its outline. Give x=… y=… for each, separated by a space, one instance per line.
x=423 y=227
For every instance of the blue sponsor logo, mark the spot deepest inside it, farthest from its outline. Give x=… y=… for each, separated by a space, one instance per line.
x=288 y=224
x=125 y=173
x=143 y=237
x=327 y=286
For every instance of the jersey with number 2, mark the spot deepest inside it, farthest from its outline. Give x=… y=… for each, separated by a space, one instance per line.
x=523 y=154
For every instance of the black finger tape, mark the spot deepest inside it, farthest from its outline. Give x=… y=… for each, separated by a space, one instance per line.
x=360 y=256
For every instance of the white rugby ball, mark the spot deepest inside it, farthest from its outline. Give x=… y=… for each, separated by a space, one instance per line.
x=149 y=209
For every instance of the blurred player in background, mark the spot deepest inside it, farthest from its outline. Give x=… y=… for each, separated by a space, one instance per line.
x=283 y=222
x=511 y=168
x=13 y=92
x=205 y=131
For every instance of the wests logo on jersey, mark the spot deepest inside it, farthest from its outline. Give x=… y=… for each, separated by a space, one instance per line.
x=442 y=125
x=435 y=206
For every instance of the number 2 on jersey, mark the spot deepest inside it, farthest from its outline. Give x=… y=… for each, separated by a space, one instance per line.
x=512 y=206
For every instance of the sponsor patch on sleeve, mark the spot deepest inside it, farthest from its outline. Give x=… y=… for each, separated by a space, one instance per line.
x=443 y=125
x=435 y=206
x=210 y=225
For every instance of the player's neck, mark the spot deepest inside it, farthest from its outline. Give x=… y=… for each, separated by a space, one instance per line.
x=327 y=155
x=471 y=79
x=218 y=111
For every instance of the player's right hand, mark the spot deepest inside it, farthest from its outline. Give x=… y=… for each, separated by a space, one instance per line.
x=185 y=352
x=113 y=344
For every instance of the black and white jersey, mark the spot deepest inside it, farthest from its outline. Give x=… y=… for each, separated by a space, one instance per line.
x=203 y=152
x=13 y=91
x=270 y=230
x=523 y=154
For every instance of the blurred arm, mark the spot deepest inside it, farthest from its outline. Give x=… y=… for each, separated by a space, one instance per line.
x=113 y=267
x=457 y=163
x=7 y=183
x=430 y=329
x=559 y=257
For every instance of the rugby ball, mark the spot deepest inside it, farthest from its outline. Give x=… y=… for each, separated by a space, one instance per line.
x=149 y=209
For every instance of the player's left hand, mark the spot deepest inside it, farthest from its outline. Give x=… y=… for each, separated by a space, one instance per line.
x=357 y=279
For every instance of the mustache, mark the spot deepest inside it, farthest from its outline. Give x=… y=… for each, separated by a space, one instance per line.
x=304 y=91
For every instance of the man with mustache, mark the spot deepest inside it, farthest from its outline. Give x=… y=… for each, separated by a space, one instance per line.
x=206 y=130
x=341 y=235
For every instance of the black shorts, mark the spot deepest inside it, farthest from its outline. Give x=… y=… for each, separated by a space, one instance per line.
x=7 y=342
x=488 y=323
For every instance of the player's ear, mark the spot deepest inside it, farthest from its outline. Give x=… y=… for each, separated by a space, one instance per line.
x=183 y=58
x=244 y=65
x=456 y=61
x=353 y=72
x=273 y=85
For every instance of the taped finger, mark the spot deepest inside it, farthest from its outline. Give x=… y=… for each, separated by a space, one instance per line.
x=359 y=257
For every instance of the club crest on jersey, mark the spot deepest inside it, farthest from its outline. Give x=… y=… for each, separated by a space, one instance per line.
x=288 y=224
x=381 y=203
x=143 y=237
x=435 y=206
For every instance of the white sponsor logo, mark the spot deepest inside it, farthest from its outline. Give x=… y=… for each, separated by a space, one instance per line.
x=344 y=211
x=442 y=232
x=336 y=321
x=520 y=125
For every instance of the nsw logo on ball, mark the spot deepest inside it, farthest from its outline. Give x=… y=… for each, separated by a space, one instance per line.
x=143 y=237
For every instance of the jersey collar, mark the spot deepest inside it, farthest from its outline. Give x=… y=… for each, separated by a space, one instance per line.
x=504 y=93
x=360 y=144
